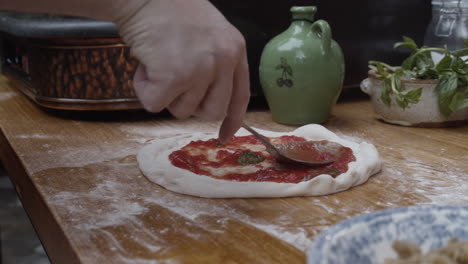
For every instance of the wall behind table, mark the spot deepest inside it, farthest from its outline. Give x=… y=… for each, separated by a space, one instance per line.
x=366 y=30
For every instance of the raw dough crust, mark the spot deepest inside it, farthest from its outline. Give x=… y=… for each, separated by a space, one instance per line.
x=154 y=163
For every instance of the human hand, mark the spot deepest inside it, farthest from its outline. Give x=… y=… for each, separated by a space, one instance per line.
x=192 y=61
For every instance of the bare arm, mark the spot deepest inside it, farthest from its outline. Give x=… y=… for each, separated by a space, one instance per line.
x=110 y=10
x=193 y=62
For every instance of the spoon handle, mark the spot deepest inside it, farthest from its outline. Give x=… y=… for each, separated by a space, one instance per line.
x=270 y=148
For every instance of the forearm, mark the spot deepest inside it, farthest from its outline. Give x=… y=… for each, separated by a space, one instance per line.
x=110 y=10
x=192 y=60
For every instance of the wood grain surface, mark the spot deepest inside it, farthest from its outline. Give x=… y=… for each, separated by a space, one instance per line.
x=78 y=179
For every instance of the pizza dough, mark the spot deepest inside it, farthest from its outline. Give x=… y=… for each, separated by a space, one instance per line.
x=154 y=163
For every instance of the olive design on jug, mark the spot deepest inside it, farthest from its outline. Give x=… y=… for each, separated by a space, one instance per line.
x=286 y=72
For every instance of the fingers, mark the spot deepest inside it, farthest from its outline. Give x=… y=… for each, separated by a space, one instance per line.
x=186 y=104
x=197 y=67
x=229 y=53
x=216 y=102
x=140 y=84
x=155 y=93
x=239 y=101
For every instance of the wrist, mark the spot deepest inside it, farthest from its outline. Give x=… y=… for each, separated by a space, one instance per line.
x=121 y=11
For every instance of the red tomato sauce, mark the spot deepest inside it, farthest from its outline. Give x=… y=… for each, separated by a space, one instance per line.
x=227 y=155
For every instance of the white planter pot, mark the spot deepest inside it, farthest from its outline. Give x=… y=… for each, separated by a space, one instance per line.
x=425 y=113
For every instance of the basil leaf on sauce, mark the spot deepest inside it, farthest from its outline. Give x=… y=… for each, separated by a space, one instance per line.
x=331 y=171
x=248 y=157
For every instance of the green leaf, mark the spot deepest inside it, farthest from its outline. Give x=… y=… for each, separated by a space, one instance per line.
x=463 y=82
x=419 y=62
x=409 y=74
x=461 y=52
x=248 y=157
x=407 y=43
x=446 y=89
x=379 y=68
x=396 y=80
x=458 y=102
x=401 y=102
x=386 y=90
x=408 y=63
x=413 y=96
x=423 y=64
x=431 y=73
x=404 y=99
x=451 y=72
x=373 y=68
x=393 y=85
x=444 y=63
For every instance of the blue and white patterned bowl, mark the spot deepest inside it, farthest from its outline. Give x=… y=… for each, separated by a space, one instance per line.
x=368 y=238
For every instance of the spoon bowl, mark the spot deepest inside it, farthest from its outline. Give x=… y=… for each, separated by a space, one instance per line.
x=292 y=152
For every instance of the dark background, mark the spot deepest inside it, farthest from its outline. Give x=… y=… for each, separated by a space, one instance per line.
x=365 y=30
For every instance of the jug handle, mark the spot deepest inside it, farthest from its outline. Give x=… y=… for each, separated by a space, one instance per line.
x=322 y=29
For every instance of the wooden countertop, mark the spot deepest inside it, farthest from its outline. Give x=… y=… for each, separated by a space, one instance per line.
x=78 y=179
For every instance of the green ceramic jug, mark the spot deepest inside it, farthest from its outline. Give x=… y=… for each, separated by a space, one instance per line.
x=302 y=70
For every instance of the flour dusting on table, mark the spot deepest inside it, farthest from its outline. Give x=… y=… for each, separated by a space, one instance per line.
x=100 y=191
x=115 y=202
x=7 y=95
x=447 y=185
